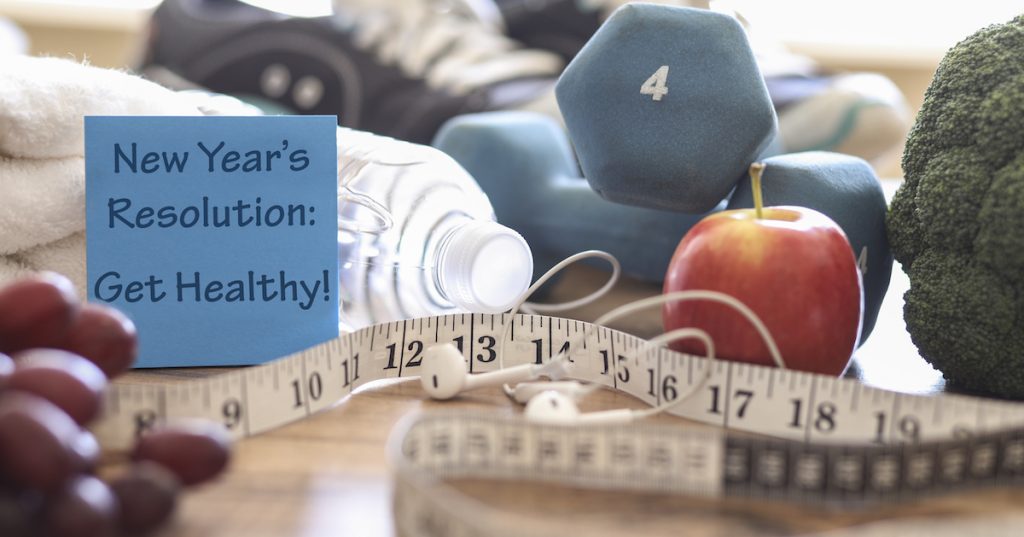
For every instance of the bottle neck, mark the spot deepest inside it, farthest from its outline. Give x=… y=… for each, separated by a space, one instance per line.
x=482 y=266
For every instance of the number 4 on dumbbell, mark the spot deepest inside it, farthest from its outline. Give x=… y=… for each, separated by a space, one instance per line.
x=657 y=85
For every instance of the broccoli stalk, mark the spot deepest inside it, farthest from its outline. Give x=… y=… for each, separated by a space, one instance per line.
x=957 y=222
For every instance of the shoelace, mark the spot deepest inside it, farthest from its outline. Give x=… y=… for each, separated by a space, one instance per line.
x=442 y=42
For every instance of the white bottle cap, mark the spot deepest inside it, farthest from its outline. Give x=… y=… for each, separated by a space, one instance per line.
x=484 y=267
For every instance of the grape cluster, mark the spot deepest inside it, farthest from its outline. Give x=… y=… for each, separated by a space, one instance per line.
x=56 y=356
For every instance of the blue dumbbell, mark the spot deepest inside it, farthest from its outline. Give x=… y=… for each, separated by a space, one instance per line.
x=846 y=189
x=666 y=107
x=524 y=163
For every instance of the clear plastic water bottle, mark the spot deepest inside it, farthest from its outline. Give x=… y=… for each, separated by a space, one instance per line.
x=417 y=236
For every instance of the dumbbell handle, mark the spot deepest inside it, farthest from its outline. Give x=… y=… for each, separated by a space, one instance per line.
x=525 y=165
x=572 y=214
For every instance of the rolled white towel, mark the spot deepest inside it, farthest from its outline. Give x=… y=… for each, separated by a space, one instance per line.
x=41 y=201
x=43 y=100
x=65 y=256
x=12 y=268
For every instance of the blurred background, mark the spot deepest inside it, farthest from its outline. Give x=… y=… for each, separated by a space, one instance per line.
x=902 y=40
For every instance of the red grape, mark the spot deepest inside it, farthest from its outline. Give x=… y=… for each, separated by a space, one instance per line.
x=17 y=511
x=6 y=368
x=194 y=450
x=148 y=495
x=86 y=507
x=13 y=522
x=34 y=440
x=36 y=312
x=85 y=452
x=105 y=336
x=67 y=380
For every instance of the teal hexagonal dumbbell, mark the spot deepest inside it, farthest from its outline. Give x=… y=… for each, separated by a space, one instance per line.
x=666 y=107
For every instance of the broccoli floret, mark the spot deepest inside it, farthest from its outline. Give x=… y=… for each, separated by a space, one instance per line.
x=957 y=222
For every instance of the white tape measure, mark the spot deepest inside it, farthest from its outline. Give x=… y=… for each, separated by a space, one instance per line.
x=832 y=440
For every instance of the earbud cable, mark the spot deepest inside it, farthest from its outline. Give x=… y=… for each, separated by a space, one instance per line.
x=530 y=307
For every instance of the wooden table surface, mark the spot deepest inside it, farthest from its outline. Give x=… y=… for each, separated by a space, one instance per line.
x=327 y=476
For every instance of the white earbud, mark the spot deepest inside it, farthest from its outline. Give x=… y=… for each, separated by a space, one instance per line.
x=524 y=391
x=555 y=408
x=444 y=373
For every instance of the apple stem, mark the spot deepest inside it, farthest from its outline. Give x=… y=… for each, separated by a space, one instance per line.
x=755 y=183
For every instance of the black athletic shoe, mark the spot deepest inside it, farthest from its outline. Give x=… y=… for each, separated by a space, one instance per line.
x=395 y=67
x=561 y=26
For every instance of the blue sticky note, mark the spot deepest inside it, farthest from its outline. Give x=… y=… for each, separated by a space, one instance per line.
x=217 y=236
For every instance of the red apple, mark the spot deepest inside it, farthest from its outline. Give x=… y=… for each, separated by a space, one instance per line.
x=793 y=267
